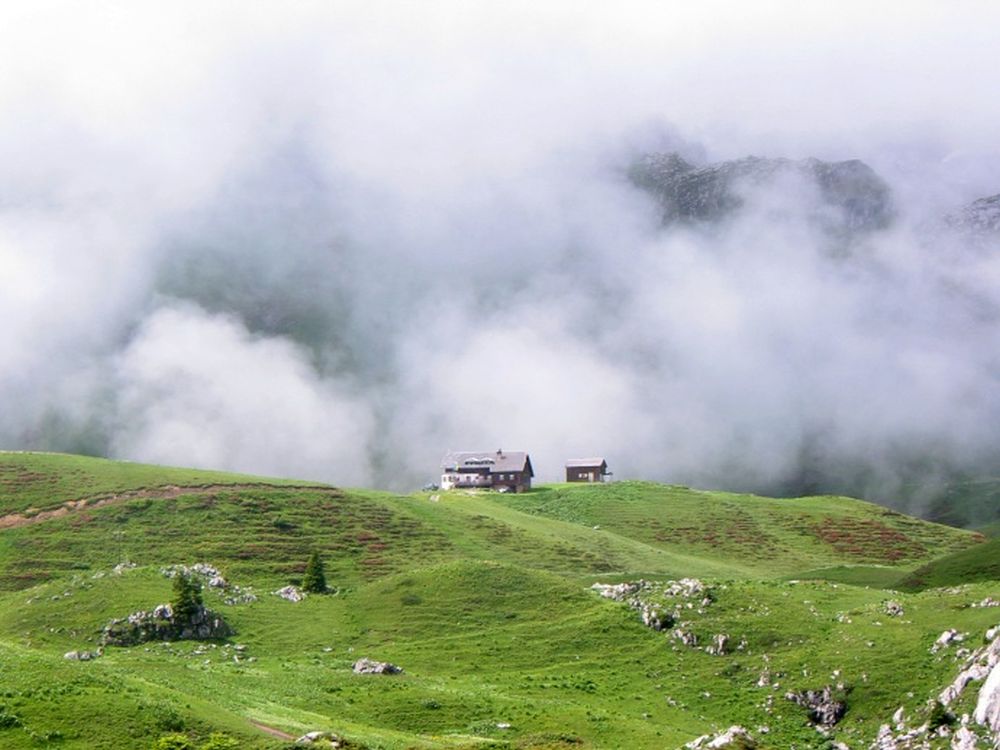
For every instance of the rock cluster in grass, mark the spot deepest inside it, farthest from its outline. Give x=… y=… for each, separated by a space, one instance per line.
x=161 y=625
x=320 y=739
x=621 y=592
x=979 y=665
x=826 y=706
x=893 y=608
x=720 y=645
x=638 y=596
x=213 y=578
x=83 y=655
x=734 y=737
x=676 y=599
x=948 y=638
x=290 y=593
x=370 y=666
x=208 y=573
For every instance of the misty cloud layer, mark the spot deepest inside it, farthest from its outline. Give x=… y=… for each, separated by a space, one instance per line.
x=335 y=242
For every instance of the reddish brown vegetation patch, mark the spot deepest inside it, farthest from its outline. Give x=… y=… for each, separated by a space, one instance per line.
x=867 y=539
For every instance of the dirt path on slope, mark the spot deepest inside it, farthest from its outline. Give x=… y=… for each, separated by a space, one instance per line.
x=166 y=492
x=272 y=731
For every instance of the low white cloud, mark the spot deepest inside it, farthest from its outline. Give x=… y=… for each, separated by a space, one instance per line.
x=402 y=228
x=198 y=390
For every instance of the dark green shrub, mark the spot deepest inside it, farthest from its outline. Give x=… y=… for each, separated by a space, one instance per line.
x=940 y=716
x=314 y=578
x=187 y=598
x=8 y=720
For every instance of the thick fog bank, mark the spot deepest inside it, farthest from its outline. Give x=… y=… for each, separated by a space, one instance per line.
x=336 y=242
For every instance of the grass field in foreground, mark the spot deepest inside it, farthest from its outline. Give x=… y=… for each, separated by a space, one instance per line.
x=483 y=599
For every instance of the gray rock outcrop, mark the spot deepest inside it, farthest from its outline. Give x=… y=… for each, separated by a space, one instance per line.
x=161 y=625
x=826 y=706
x=290 y=593
x=370 y=666
x=844 y=198
x=987 y=710
x=726 y=739
x=319 y=739
x=978 y=221
x=964 y=739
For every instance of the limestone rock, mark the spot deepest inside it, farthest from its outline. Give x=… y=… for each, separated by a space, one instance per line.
x=370 y=666
x=619 y=592
x=323 y=739
x=291 y=593
x=964 y=739
x=825 y=707
x=655 y=619
x=725 y=739
x=893 y=609
x=720 y=645
x=987 y=710
x=83 y=655
x=686 y=587
x=947 y=638
x=161 y=625
x=686 y=637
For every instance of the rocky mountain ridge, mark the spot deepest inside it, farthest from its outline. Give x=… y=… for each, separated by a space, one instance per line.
x=843 y=198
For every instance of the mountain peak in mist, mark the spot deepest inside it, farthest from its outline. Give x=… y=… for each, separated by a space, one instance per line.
x=843 y=198
x=979 y=221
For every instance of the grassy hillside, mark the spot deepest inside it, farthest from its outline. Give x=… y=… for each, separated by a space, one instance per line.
x=483 y=599
x=762 y=535
x=979 y=563
x=44 y=481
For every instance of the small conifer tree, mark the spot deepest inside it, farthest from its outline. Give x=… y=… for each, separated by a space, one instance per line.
x=314 y=579
x=187 y=597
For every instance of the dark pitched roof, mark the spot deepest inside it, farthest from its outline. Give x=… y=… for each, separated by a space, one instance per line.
x=583 y=463
x=494 y=461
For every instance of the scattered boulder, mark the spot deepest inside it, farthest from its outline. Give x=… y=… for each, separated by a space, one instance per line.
x=947 y=638
x=83 y=655
x=826 y=707
x=619 y=592
x=323 y=739
x=734 y=737
x=370 y=666
x=898 y=717
x=655 y=619
x=686 y=587
x=208 y=573
x=291 y=593
x=720 y=645
x=885 y=739
x=964 y=739
x=686 y=637
x=893 y=609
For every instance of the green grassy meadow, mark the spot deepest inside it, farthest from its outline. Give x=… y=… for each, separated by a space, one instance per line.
x=483 y=599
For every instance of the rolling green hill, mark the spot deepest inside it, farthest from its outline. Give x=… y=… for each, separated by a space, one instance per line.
x=483 y=599
x=979 y=563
